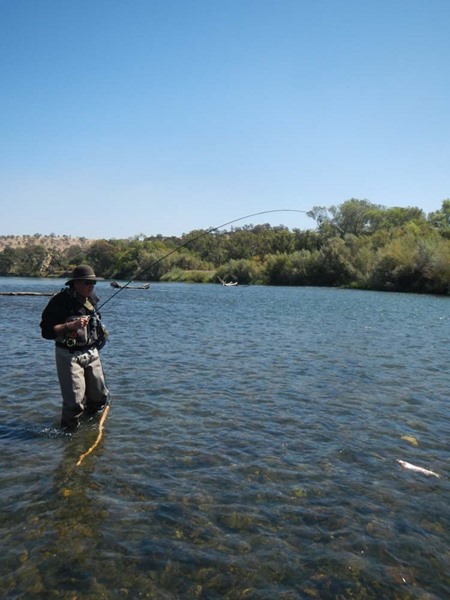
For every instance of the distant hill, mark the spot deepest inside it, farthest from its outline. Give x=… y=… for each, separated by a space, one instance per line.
x=50 y=242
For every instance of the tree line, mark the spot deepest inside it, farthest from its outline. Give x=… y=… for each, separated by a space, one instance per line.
x=357 y=244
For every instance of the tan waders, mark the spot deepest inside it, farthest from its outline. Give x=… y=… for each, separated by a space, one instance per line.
x=82 y=382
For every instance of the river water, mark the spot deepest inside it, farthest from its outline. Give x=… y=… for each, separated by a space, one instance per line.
x=250 y=451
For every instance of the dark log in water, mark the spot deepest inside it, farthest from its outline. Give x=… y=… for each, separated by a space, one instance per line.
x=26 y=294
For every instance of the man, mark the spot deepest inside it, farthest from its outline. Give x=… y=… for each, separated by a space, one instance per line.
x=71 y=319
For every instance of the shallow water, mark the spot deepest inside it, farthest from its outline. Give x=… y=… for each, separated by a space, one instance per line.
x=250 y=451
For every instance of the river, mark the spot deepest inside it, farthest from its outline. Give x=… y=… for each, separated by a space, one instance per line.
x=251 y=450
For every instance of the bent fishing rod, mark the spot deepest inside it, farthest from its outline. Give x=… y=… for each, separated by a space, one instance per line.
x=140 y=274
x=146 y=270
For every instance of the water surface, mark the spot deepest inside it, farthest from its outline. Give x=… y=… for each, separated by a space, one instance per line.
x=250 y=452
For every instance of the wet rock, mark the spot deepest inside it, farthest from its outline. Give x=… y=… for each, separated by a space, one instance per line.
x=410 y=439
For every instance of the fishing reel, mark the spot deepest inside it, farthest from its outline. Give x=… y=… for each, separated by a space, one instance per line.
x=92 y=326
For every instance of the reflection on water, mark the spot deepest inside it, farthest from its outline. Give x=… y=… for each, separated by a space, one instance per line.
x=250 y=452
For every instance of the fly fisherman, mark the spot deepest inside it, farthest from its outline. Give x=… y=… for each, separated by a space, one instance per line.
x=71 y=319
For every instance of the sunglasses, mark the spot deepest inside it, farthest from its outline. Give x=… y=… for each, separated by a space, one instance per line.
x=89 y=282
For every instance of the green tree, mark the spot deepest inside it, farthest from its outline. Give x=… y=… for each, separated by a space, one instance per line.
x=300 y=267
x=283 y=240
x=101 y=255
x=438 y=269
x=410 y=263
x=31 y=260
x=441 y=218
x=277 y=269
x=209 y=246
x=307 y=240
x=74 y=254
x=353 y=216
x=335 y=263
x=390 y=218
x=8 y=261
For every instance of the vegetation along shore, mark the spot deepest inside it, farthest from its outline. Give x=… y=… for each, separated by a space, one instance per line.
x=357 y=244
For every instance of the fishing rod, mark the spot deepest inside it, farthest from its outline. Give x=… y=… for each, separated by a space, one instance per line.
x=143 y=272
x=146 y=270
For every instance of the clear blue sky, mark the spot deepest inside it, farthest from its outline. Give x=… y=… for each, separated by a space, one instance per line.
x=121 y=117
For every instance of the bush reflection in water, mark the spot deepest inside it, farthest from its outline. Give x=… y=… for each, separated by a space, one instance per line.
x=250 y=451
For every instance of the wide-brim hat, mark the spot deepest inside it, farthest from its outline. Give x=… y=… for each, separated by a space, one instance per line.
x=83 y=272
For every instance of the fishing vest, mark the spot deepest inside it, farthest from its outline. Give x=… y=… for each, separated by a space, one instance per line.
x=93 y=335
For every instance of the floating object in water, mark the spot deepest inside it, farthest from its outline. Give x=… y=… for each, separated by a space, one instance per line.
x=118 y=286
x=229 y=284
x=407 y=465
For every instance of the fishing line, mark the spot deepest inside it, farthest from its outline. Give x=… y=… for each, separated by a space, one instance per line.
x=140 y=274
x=99 y=436
x=100 y=426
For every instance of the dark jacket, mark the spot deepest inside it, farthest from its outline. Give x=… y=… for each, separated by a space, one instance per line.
x=62 y=307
